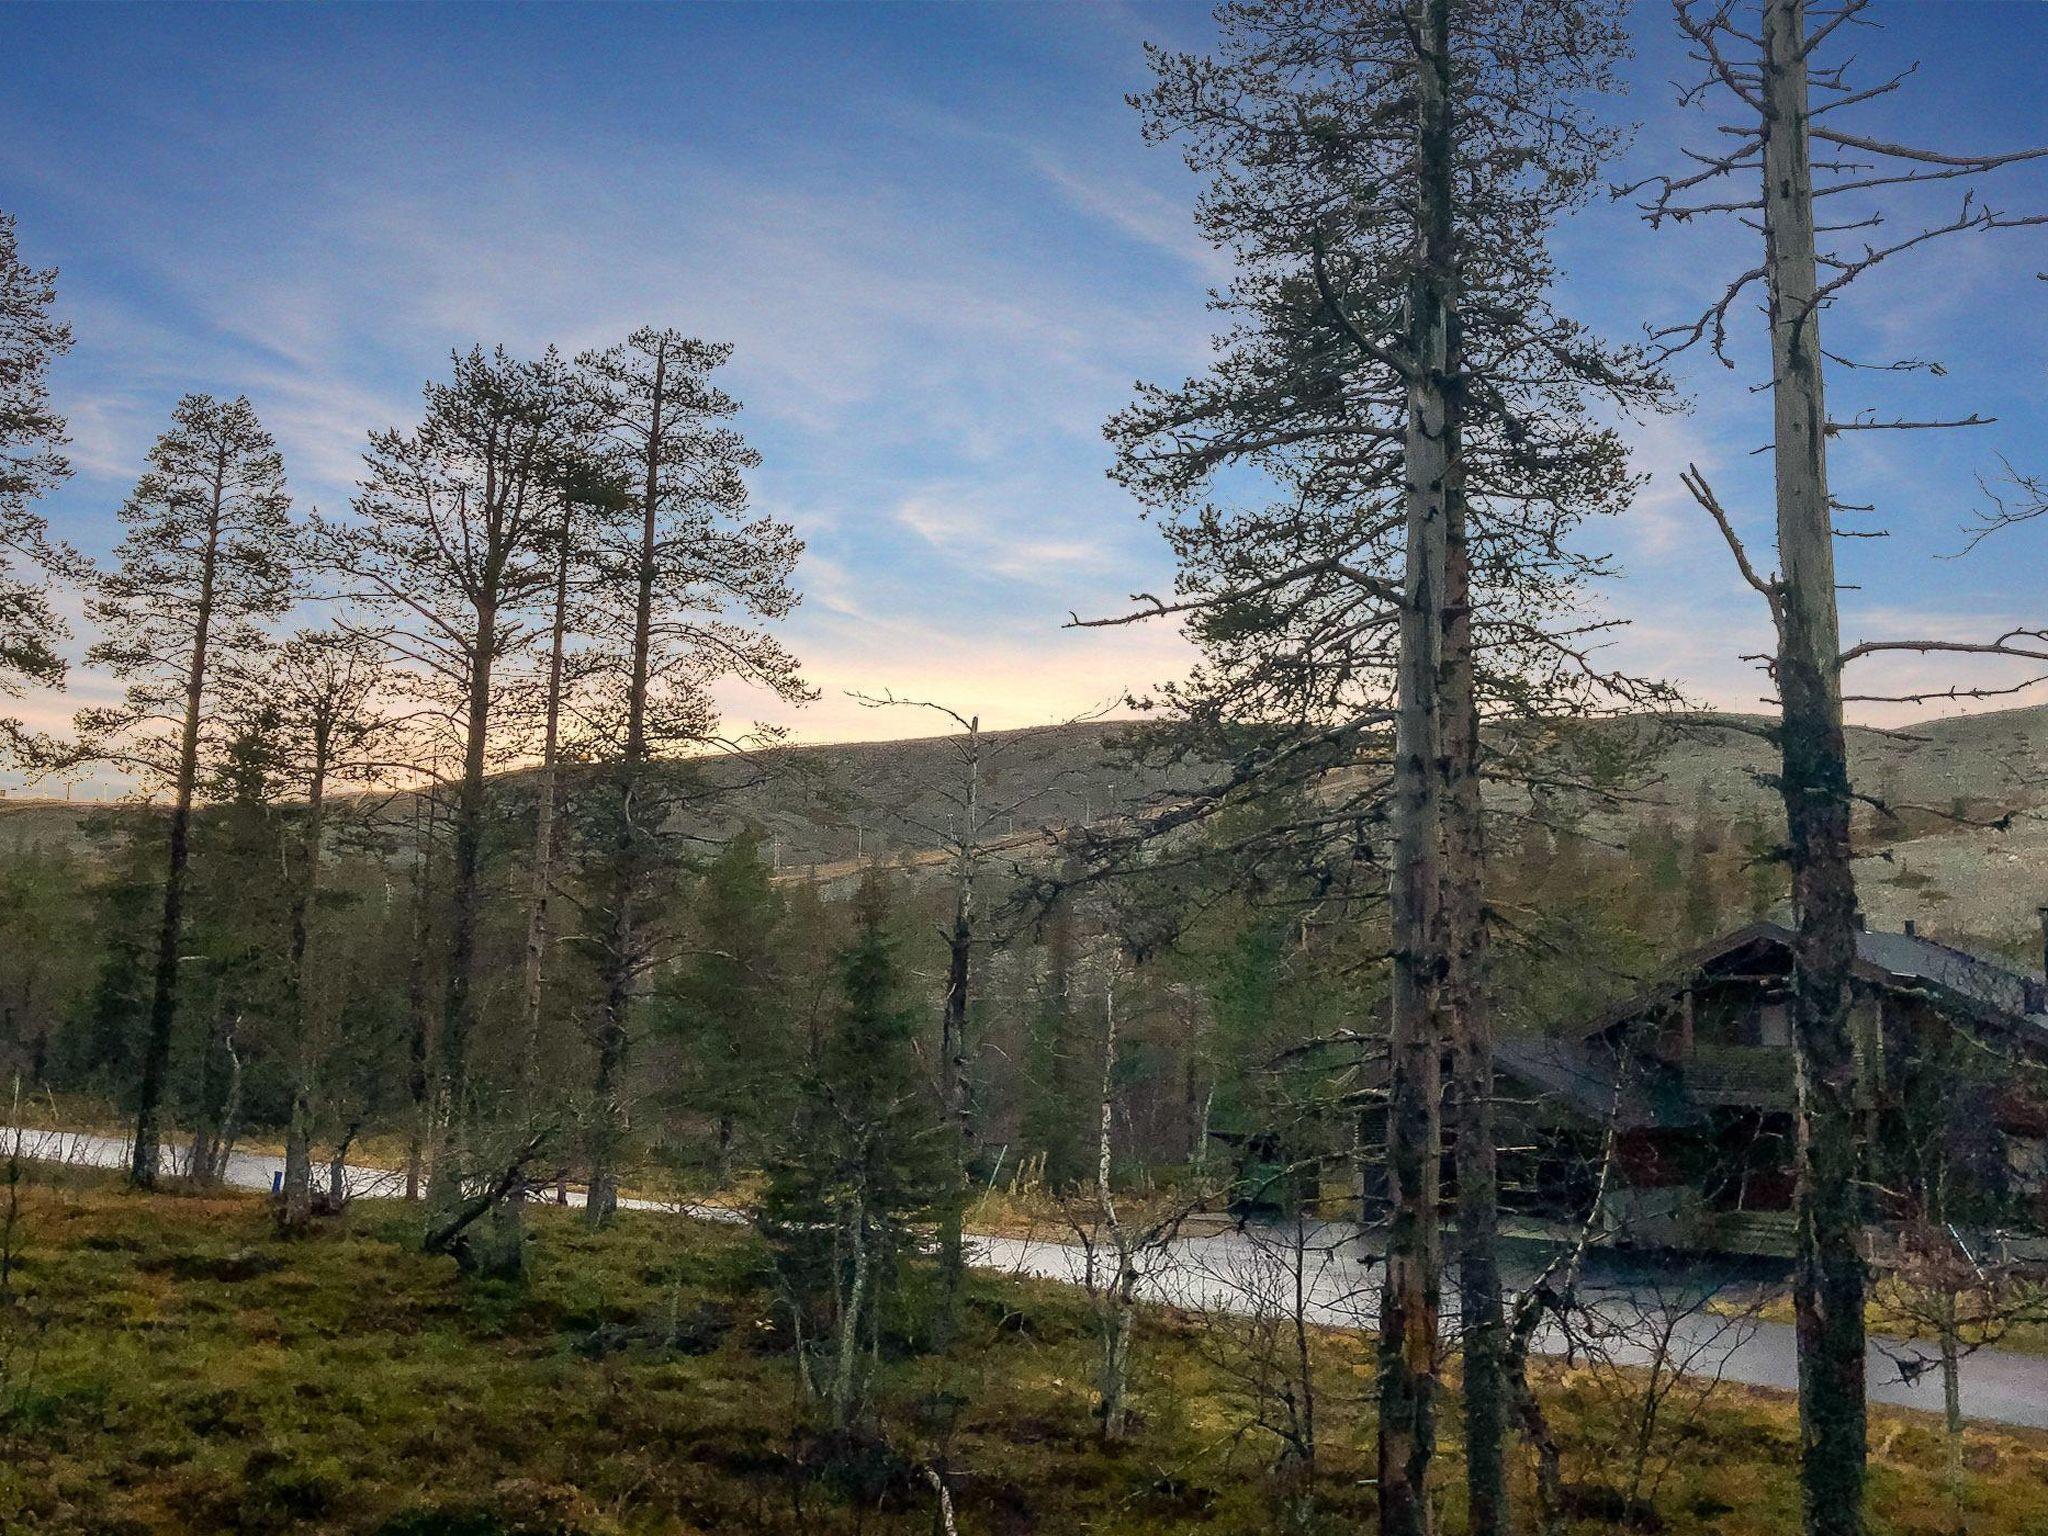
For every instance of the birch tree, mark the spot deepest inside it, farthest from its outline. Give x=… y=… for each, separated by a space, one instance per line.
x=687 y=579
x=32 y=463
x=208 y=555
x=1787 y=166
x=322 y=688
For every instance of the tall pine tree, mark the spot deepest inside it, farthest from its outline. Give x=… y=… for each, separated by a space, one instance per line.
x=31 y=462
x=209 y=555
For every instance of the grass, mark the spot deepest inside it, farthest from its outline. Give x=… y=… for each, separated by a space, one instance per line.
x=1891 y=1312
x=171 y=1365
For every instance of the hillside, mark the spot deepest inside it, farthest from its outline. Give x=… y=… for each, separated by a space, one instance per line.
x=1932 y=859
x=828 y=806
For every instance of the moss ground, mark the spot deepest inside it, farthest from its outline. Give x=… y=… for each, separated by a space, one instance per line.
x=171 y=1365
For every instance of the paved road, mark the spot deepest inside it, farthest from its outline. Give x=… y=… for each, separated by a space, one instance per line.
x=1243 y=1272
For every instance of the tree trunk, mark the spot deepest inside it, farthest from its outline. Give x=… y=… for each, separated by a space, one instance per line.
x=337 y=1167
x=1053 y=1123
x=419 y=1080
x=163 y=1000
x=1952 y=1406
x=297 y=1210
x=537 y=918
x=953 y=1042
x=507 y=1222
x=458 y=1014
x=1304 y=1354
x=1121 y=1301
x=207 y=1113
x=1116 y=1365
x=621 y=951
x=846 y=1367
x=1412 y=1292
x=601 y=1200
x=231 y=1109
x=220 y=1102
x=1814 y=783
x=1481 y=1317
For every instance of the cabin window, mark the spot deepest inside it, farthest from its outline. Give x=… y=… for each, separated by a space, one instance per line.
x=1770 y=1025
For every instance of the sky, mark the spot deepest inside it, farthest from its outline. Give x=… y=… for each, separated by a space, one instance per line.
x=944 y=256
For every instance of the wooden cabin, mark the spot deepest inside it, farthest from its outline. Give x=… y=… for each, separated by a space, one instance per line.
x=1697 y=1078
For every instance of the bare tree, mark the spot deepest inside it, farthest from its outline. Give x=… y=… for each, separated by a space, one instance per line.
x=979 y=814
x=207 y=557
x=425 y=832
x=1961 y=1298
x=1945 y=1268
x=1657 y=1346
x=964 y=842
x=1766 y=62
x=1119 y=1247
x=1263 y=1299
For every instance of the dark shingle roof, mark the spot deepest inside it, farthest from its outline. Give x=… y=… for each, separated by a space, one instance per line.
x=1580 y=1076
x=1580 y=1073
x=1994 y=987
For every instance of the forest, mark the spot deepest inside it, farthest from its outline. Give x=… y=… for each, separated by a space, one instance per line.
x=473 y=1080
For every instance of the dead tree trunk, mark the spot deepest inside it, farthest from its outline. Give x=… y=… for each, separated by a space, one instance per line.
x=1412 y=1292
x=337 y=1167
x=538 y=930
x=297 y=1210
x=419 y=1081
x=953 y=1041
x=1120 y=1301
x=507 y=1223
x=220 y=1101
x=1465 y=1010
x=1814 y=784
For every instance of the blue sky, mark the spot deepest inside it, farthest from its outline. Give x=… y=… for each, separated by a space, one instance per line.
x=943 y=254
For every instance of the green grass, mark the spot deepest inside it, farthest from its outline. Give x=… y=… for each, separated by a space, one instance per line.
x=174 y=1366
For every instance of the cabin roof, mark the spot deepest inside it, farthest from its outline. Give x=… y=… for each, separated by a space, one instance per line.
x=1579 y=1071
x=1909 y=956
x=1906 y=962
x=1580 y=1075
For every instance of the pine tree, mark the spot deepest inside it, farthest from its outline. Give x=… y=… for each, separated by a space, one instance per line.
x=728 y=1004
x=449 y=554
x=209 y=555
x=687 y=577
x=31 y=463
x=320 y=695
x=865 y=1156
x=1413 y=413
x=236 y=931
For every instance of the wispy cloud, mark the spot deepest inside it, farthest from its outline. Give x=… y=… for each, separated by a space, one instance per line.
x=942 y=269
